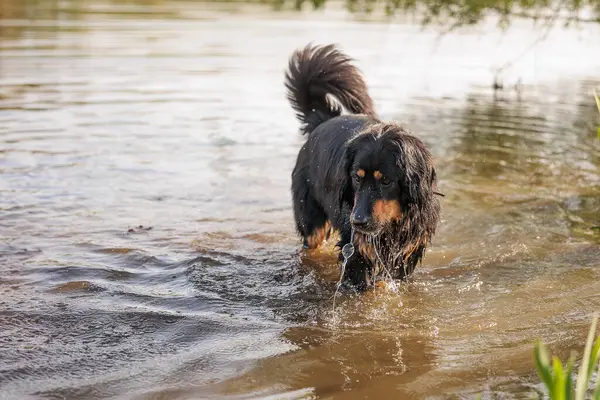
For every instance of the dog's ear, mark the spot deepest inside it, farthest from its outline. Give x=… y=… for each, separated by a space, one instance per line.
x=420 y=178
x=344 y=178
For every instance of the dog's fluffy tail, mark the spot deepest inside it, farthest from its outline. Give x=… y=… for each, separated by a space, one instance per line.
x=316 y=71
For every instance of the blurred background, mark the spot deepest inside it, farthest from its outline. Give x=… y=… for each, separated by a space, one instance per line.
x=147 y=245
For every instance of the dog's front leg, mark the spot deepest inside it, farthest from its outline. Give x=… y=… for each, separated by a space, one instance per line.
x=357 y=271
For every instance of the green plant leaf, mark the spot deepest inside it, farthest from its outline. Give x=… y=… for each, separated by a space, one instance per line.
x=559 y=380
x=595 y=354
x=597 y=105
x=596 y=395
x=542 y=364
x=584 y=375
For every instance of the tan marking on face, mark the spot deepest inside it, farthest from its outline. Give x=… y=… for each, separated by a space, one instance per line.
x=318 y=236
x=386 y=211
x=377 y=175
x=361 y=173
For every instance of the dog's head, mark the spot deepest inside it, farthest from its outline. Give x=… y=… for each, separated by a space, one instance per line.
x=391 y=184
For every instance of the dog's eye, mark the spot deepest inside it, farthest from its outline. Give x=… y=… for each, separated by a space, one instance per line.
x=385 y=181
x=355 y=177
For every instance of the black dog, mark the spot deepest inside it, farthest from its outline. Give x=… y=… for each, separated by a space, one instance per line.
x=369 y=180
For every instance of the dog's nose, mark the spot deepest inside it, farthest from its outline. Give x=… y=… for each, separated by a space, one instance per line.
x=359 y=220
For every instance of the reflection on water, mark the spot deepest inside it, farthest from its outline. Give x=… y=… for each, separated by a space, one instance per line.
x=147 y=240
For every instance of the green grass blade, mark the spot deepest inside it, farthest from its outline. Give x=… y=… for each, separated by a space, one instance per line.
x=597 y=105
x=583 y=378
x=559 y=379
x=596 y=395
x=595 y=354
x=542 y=364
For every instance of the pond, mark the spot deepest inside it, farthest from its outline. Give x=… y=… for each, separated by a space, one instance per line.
x=147 y=241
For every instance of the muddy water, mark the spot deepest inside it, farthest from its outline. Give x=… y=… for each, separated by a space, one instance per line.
x=147 y=245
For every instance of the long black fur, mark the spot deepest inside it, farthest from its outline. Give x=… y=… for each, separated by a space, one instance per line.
x=325 y=187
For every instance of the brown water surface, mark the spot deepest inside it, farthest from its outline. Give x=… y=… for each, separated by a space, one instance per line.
x=147 y=244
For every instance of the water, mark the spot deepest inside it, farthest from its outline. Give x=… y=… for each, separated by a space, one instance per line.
x=147 y=241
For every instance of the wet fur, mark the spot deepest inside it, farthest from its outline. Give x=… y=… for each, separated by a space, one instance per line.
x=323 y=190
